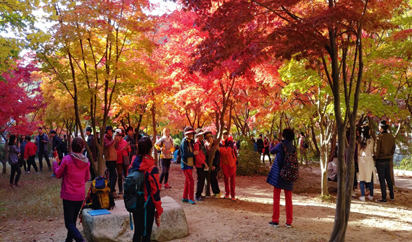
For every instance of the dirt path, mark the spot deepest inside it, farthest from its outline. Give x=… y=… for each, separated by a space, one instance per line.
x=247 y=219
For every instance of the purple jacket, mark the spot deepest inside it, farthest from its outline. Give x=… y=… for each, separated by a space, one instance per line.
x=74 y=171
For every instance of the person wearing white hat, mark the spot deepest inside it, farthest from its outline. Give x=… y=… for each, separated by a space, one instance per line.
x=201 y=165
x=188 y=161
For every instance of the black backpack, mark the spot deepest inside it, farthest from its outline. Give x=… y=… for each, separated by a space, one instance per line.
x=134 y=195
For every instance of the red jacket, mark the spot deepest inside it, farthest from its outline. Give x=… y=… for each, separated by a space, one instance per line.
x=74 y=171
x=122 y=151
x=147 y=164
x=29 y=150
x=199 y=158
x=227 y=153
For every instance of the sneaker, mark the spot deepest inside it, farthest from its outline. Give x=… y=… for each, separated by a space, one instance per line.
x=288 y=226
x=184 y=200
x=392 y=199
x=27 y=172
x=167 y=185
x=381 y=201
x=226 y=197
x=11 y=186
x=273 y=224
x=192 y=202
x=362 y=198
x=217 y=195
x=198 y=199
x=37 y=173
x=53 y=175
x=16 y=185
x=370 y=197
x=233 y=199
x=353 y=194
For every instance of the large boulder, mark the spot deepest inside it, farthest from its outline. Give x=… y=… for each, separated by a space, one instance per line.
x=115 y=227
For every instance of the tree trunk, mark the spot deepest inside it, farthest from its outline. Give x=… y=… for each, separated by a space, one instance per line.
x=315 y=142
x=154 y=132
x=6 y=154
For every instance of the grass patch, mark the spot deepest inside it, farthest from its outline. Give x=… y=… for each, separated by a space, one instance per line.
x=327 y=198
x=38 y=197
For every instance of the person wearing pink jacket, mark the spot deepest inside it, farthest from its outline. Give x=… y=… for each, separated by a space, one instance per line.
x=123 y=150
x=74 y=172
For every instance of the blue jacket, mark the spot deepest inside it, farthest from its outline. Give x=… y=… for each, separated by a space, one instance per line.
x=45 y=138
x=185 y=154
x=274 y=178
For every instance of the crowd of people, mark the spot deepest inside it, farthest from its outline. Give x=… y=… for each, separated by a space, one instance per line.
x=370 y=153
x=199 y=150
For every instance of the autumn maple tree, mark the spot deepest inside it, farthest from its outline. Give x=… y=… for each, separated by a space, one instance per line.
x=327 y=33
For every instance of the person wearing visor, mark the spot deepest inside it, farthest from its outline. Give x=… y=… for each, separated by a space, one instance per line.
x=187 y=163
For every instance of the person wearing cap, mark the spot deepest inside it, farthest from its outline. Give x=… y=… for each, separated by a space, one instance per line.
x=110 y=154
x=57 y=144
x=30 y=154
x=187 y=163
x=228 y=163
x=130 y=139
x=92 y=146
x=123 y=150
x=200 y=163
x=165 y=145
x=383 y=153
x=41 y=142
x=213 y=160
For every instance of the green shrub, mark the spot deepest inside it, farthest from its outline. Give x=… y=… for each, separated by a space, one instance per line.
x=249 y=160
x=177 y=141
x=406 y=164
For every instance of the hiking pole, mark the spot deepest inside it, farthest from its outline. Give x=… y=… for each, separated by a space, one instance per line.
x=84 y=203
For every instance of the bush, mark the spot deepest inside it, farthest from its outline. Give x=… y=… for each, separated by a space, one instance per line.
x=406 y=164
x=177 y=141
x=249 y=160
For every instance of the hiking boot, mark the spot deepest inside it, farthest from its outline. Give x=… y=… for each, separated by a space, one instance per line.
x=362 y=198
x=192 y=202
x=167 y=186
x=273 y=224
x=184 y=200
x=370 y=197
x=198 y=199
x=288 y=226
x=381 y=201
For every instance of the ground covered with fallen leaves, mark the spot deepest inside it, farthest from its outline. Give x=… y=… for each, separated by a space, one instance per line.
x=33 y=212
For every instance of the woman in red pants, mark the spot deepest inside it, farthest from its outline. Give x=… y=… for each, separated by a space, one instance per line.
x=228 y=163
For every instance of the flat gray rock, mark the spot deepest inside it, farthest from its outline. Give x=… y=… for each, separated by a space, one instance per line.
x=115 y=227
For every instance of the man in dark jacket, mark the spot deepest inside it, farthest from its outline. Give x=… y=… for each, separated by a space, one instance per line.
x=383 y=153
x=57 y=144
x=92 y=147
x=41 y=142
